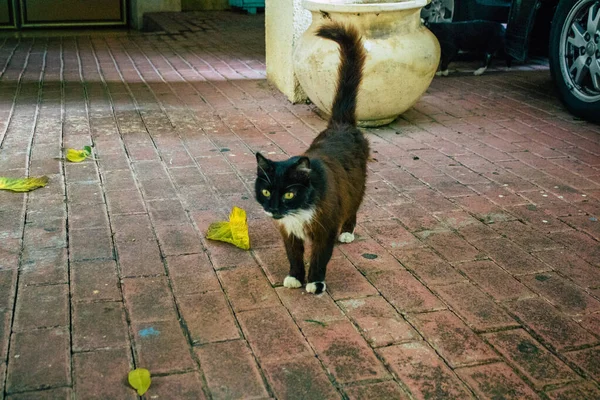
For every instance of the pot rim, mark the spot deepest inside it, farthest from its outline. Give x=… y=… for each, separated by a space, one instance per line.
x=354 y=6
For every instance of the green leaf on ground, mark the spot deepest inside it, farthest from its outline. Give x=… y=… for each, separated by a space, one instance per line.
x=139 y=379
x=23 y=184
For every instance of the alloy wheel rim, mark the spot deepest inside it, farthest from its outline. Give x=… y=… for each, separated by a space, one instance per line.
x=580 y=51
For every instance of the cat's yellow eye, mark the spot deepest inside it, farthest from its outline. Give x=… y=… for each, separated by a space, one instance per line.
x=266 y=193
x=288 y=196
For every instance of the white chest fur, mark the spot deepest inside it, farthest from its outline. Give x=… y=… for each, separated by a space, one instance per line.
x=296 y=223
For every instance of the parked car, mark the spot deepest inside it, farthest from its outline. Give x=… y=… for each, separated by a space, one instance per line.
x=572 y=28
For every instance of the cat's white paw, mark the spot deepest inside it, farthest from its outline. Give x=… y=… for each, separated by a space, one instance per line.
x=479 y=71
x=446 y=72
x=439 y=73
x=346 y=237
x=316 y=287
x=291 y=282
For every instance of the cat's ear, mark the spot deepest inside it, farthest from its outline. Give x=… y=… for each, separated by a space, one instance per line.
x=303 y=165
x=263 y=163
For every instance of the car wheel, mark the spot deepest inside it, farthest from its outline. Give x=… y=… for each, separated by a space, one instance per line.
x=438 y=11
x=574 y=56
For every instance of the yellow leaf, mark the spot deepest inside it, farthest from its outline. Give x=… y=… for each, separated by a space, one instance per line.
x=23 y=184
x=139 y=379
x=77 y=155
x=235 y=231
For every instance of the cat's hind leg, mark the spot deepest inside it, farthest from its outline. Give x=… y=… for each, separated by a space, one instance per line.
x=347 y=235
x=486 y=63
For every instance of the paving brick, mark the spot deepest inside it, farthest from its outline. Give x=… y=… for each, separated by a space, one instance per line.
x=495 y=281
x=52 y=394
x=530 y=358
x=304 y=306
x=102 y=374
x=136 y=246
x=391 y=235
x=167 y=212
x=343 y=351
x=451 y=246
x=405 y=292
x=225 y=255
x=231 y=371
x=382 y=390
x=5 y=322
x=41 y=307
x=208 y=317
x=458 y=344
x=247 y=288
x=566 y=296
x=186 y=176
x=83 y=216
x=84 y=193
x=428 y=266
x=125 y=202
x=525 y=236
x=553 y=326
x=511 y=257
x=192 y=274
x=369 y=257
x=415 y=218
x=479 y=311
x=588 y=360
x=344 y=280
x=178 y=386
x=8 y=284
x=423 y=371
x=162 y=347
x=43 y=360
x=2 y=376
x=120 y=179
x=90 y=244
x=571 y=266
x=483 y=209
x=264 y=233
x=273 y=335
x=378 y=322
x=581 y=244
x=299 y=378
x=496 y=381
x=48 y=232
x=179 y=239
x=539 y=218
x=94 y=280
x=148 y=299
x=586 y=390
x=99 y=325
x=590 y=322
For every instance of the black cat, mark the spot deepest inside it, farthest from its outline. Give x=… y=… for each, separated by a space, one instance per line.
x=479 y=36
x=314 y=195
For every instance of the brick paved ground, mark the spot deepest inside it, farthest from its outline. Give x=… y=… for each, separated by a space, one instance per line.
x=475 y=272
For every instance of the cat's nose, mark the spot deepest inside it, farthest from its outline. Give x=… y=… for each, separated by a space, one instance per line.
x=277 y=216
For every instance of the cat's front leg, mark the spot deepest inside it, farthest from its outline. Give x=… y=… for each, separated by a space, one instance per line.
x=321 y=254
x=294 y=248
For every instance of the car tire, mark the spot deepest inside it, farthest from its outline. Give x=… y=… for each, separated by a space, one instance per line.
x=574 y=56
x=438 y=11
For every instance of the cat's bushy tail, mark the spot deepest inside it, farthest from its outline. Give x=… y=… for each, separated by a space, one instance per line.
x=352 y=56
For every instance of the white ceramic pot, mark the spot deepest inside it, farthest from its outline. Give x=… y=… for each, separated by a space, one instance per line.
x=402 y=56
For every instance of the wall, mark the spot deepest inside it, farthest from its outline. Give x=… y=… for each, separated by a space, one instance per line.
x=139 y=7
x=285 y=21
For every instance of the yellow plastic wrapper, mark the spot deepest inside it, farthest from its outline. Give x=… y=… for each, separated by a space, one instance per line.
x=235 y=231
